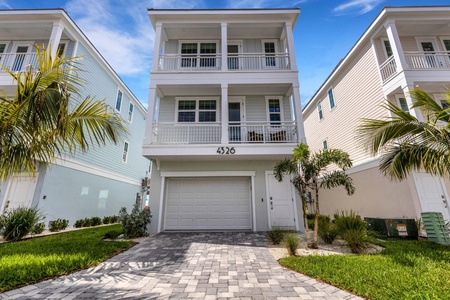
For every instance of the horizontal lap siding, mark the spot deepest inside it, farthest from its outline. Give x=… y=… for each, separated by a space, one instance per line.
x=166 y=109
x=255 y=108
x=357 y=94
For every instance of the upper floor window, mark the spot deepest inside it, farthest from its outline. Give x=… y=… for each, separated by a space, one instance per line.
x=319 y=110
x=446 y=43
x=445 y=104
x=61 y=49
x=2 y=49
x=119 y=100
x=198 y=54
x=325 y=144
x=387 y=48
x=130 y=112
x=403 y=104
x=331 y=98
x=274 y=110
x=198 y=110
x=125 y=152
x=270 y=49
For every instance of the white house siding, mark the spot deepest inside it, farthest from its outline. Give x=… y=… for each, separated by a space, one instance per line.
x=260 y=167
x=167 y=109
x=357 y=94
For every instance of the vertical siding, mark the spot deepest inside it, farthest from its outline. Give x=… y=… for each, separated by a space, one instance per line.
x=357 y=94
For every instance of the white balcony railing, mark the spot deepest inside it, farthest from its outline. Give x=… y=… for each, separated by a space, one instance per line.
x=18 y=61
x=212 y=62
x=388 y=69
x=210 y=133
x=426 y=60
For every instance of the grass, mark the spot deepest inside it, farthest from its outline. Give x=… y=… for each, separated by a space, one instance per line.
x=404 y=270
x=33 y=260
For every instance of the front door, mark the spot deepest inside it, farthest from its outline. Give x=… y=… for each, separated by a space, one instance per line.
x=281 y=202
x=21 y=191
x=431 y=194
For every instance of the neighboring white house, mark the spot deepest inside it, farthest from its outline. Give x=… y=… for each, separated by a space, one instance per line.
x=404 y=47
x=224 y=107
x=105 y=179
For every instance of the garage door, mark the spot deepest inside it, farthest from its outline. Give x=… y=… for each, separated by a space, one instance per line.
x=210 y=203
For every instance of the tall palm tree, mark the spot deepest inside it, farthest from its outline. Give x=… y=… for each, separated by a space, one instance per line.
x=406 y=143
x=310 y=174
x=45 y=119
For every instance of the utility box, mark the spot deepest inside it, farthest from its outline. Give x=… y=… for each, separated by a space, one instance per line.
x=435 y=227
x=393 y=228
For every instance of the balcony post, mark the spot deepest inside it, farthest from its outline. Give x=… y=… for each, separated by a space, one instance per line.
x=224 y=32
x=298 y=114
x=55 y=37
x=396 y=46
x=150 y=116
x=225 y=122
x=157 y=48
x=290 y=42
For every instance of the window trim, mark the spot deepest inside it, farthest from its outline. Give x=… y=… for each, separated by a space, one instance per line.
x=6 y=45
x=399 y=104
x=279 y=98
x=66 y=45
x=426 y=39
x=197 y=100
x=121 y=100
x=125 y=153
x=320 y=111
x=130 y=112
x=263 y=51
x=181 y=42
x=384 y=39
x=329 y=99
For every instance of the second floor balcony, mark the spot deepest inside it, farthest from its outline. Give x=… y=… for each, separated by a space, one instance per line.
x=18 y=61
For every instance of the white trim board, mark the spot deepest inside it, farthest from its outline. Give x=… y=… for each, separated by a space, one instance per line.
x=209 y=173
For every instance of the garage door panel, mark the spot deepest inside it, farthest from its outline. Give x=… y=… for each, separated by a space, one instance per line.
x=208 y=203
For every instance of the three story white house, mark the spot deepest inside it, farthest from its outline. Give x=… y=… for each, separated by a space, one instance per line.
x=403 y=48
x=224 y=107
x=101 y=181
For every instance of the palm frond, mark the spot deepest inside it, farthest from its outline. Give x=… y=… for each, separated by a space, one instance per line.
x=337 y=178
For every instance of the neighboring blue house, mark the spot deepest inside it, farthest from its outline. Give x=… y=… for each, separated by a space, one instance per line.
x=105 y=179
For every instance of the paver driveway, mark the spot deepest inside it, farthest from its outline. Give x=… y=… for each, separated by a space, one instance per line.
x=186 y=265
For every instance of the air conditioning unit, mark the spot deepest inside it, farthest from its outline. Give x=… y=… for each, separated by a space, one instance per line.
x=146 y=182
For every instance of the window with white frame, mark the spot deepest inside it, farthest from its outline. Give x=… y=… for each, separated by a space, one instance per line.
x=274 y=110
x=3 y=46
x=270 y=50
x=198 y=54
x=325 y=144
x=387 y=47
x=125 y=152
x=130 y=112
x=119 y=100
x=196 y=110
x=62 y=49
x=445 y=104
x=403 y=103
x=331 y=98
x=319 y=110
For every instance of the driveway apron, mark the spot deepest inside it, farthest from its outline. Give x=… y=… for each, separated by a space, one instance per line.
x=186 y=265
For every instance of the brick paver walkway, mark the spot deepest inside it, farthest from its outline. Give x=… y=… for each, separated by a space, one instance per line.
x=186 y=265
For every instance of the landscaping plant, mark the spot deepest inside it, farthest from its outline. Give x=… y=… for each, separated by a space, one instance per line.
x=352 y=229
x=291 y=242
x=275 y=235
x=327 y=230
x=113 y=234
x=58 y=224
x=95 y=221
x=38 y=228
x=135 y=224
x=106 y=220
x=18 y=222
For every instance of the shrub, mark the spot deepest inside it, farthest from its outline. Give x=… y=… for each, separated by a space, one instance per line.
x=291 y=242
x=356 y=240
x=38 y=228
x=95 y=221
x=58 y=224
x=114 y=219
x=113 y=234
x=106 y=220
x=352 y=229
x=86 y=222
x=18 y=222
x=275 y=235
x=327 y=231
x=135 y=224
x=78 y=224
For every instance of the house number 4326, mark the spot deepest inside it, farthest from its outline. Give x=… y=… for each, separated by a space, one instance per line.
x=226 y=150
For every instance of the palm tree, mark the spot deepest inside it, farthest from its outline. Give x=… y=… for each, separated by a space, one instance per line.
x=406 y=143
x=310 y=173
x=44 y=120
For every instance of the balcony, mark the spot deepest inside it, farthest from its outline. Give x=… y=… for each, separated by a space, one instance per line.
x=238 y=133
x=18 y=61
x=235 y=62
x=418 y=60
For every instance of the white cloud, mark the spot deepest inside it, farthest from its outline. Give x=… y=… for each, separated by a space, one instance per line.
x=4 y=4
x=357 y=7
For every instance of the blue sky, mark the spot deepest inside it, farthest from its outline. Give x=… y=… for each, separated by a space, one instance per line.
x=121 y=31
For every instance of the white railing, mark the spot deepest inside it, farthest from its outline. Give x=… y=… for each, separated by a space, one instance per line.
x=426 y=60
x=189 y=62
x=18 y=61
x=262 y=132
x=185 y=133
x=388 y=69
x=258 y=61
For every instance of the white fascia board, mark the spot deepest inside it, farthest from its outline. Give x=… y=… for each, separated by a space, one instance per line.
x=209 y=174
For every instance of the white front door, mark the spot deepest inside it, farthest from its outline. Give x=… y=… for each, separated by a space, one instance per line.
x=20 y=191
x=281 y=202
x=431 y=194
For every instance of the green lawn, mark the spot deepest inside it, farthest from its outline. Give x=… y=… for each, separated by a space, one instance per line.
x=404 y=270
x=33 y=260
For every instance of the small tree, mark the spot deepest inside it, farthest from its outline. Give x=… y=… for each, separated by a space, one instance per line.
x=310 y=173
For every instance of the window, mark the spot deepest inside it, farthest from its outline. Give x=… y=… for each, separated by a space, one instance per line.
x=447 y=44
x=125 y=152
x=387 y=48
x=270 y=49
x=61 y=49
x=403 y=104
x=119 y=100
x=325 y=144
x=274 y=110
x=130 y=112
x=199 y=110
x=319 y=109
x=445 y=104
x=2 y=49
x=198 y=54
x=331 y=98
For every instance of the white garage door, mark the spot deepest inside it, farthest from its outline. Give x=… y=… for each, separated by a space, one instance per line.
x=208 y=203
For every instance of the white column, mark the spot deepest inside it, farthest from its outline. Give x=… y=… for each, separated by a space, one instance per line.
x=224 y=113
x=413 y=111
x=298 y=114
x=55 y=37
x=157 y=48
x=396 y=46
x=290 y=42
x=150 y=116
x=224 y=32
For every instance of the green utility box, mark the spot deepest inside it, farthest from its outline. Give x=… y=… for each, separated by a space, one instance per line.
x=393 y=228
x=435 y=227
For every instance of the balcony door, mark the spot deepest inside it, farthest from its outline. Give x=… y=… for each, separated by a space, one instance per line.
x=21 y=57
x=233 y=50
x=428 y=47
x=236 y=115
